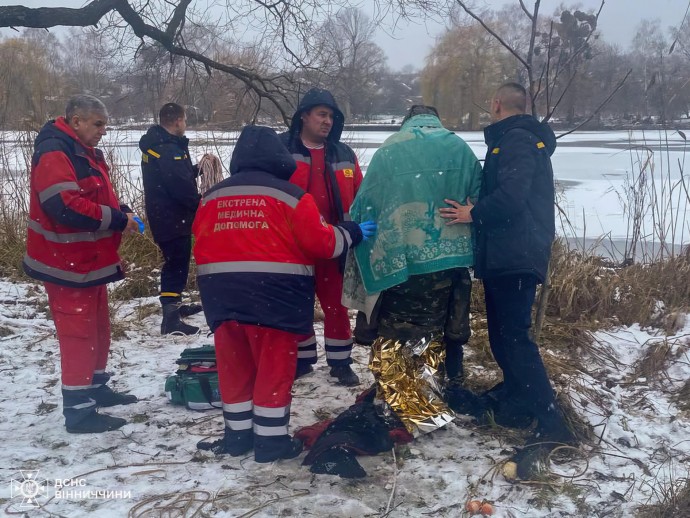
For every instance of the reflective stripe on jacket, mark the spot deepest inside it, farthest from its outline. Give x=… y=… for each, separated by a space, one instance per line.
x=75 y=220
x=256 y=239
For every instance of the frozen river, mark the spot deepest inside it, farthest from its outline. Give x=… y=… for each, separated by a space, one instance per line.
x=596 y=173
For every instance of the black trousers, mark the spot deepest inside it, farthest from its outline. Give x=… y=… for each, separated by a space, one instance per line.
x=176 y=255
x=509 y=302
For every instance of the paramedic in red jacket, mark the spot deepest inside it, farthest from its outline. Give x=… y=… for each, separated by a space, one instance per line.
x=75 y=226
x=256 y=238
x=328 y=170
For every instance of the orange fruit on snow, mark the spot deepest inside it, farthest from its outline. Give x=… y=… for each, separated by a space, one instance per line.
x=486 y=509
x=473 y=506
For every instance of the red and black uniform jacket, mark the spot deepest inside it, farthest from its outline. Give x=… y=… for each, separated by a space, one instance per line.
x=256 y=239
x=75 y=219
x=343 y=175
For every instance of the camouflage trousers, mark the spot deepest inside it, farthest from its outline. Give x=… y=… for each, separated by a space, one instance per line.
x=429 y=304
x=426 y=305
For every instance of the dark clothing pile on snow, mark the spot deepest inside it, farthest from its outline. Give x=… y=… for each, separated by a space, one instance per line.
x=362 y=429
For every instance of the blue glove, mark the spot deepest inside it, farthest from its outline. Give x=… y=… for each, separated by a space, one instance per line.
x=140 y=223
x=368 y=229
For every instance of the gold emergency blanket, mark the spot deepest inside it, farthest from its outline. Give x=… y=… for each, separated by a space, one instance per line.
x=408 y=379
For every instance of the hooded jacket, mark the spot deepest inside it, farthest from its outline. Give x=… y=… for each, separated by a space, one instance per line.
x=514 y=216
x=257 y=236
x=75 y=219
x=343 y=175
x=170 y=191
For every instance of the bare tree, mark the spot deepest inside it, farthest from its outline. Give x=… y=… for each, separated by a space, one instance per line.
x=288 y=24
x=30 y=74
x=348 y=61
x=553 y=52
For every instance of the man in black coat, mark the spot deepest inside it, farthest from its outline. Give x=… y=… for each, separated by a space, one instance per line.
x=171 y=198
x=515 y=226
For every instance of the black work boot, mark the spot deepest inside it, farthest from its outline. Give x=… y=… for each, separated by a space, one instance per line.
x=552 y=427
x=346 y=376
x=187 y=310
x=172 y=323
x=105 y=397
x=268 y=449
x=453 y=364
x=303 y=368
x=365 y=333
x=234 y=442
x=93 y=422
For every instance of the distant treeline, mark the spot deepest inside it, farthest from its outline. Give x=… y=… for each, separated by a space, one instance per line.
x=40 y=70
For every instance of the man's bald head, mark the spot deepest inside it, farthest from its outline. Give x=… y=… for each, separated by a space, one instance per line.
x=510 y=99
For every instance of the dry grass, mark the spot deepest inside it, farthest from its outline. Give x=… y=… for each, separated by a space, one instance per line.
x=591 y=291
x=682 y=398
x=674 y=501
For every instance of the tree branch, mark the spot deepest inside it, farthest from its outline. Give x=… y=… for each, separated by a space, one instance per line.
x=177 y=18
x=493 y=34
x=46 y=17
x=600 y=107
x=524 y=8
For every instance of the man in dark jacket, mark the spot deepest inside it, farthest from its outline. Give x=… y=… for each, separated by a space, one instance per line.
x=328 y=170
x=256 y=239
x=75 y=227
x=515 y=226
x=171 y=198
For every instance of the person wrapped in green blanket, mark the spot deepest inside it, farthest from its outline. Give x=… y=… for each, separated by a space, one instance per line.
x=415 y=270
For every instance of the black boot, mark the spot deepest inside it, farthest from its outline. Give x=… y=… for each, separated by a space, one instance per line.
x=303 y=368
x=365 y=333
x=93 y=422
x=268 y=449
x=453 y=364
x=346 y=376
x=105 y=397
x=234 y=442
x=187 y=310
x=172 y=323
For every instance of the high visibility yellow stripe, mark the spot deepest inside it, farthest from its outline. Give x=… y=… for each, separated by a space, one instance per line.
x=153 y=153
x=169 y=294
x=540 y=145
x=495 y=151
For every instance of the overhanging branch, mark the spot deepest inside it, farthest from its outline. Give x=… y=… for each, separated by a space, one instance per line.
x=47 y=17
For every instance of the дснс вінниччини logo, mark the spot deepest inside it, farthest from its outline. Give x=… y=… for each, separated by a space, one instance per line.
x=30 y=488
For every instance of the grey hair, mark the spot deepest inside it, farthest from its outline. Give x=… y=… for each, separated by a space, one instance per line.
x=84 y=104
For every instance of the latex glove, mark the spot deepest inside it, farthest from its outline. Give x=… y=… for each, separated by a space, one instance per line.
x=140 y=223
x=368 y=229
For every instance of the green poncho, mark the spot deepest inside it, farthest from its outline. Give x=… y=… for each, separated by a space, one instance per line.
x=405 y=184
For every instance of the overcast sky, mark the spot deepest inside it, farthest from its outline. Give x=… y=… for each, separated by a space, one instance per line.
x=617 y=23
x=412 y=42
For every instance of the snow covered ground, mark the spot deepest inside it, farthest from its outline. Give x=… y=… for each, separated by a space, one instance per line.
x=152 y=463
